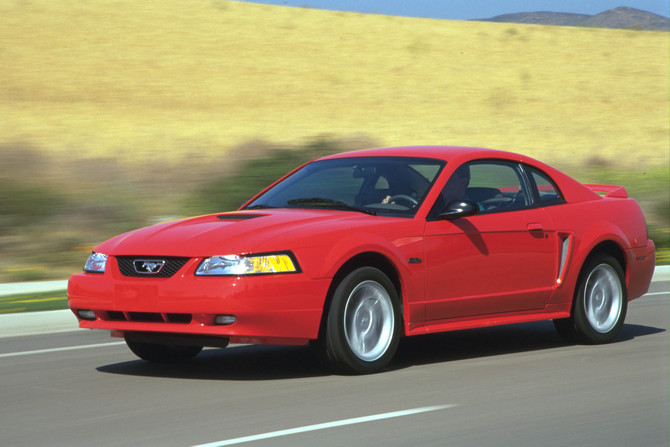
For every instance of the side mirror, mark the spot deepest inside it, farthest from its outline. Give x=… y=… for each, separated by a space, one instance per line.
x=459 y=208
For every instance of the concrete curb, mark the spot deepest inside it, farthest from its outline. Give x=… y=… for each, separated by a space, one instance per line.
x=34 y=323
x=661 y=273
x=47 y=322
x=16 y=288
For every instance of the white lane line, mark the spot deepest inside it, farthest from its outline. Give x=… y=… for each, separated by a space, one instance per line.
x=326 y=425
x=656 y=293
x=67 y=348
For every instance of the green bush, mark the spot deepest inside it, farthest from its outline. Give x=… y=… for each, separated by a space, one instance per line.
x=26 y=205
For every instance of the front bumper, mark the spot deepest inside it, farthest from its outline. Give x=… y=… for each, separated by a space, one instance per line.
x=274 y=309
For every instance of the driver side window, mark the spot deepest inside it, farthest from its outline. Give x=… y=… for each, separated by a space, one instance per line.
x=494 y=186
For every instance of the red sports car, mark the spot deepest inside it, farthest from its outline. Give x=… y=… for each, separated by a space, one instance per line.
x=354 y=251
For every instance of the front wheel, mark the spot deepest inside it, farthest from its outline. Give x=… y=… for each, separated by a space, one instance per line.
x=363 y=324
x=160 y=353
x=600 y=303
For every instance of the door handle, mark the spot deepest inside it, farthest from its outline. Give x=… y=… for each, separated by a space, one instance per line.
x=535 y=226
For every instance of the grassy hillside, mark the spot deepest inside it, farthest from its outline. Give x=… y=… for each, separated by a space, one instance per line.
x=162 y=78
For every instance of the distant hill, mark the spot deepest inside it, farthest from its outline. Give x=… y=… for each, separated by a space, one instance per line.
x=620 y=18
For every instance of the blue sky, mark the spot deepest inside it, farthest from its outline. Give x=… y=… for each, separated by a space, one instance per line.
x=473 y=9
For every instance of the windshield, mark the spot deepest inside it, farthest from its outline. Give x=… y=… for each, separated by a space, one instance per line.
x=374 y=185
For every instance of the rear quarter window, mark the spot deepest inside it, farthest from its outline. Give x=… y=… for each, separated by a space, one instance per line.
x=546 y=191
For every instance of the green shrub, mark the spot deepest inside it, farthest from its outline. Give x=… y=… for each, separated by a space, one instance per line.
x=26 y=205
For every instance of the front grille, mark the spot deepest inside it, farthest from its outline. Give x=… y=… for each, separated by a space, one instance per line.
x=172 y=266
x=115 y=315
x=147 y=317
x=178 y=318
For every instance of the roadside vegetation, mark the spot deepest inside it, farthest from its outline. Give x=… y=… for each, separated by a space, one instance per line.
x=33 y=302
x=48 y=229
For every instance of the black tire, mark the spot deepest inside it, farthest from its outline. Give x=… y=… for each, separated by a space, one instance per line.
x=159 y=353
x=600 y=303
x=364 y=323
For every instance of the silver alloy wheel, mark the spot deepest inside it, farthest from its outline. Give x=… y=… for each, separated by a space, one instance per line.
x=603 y=298
x=369 y=321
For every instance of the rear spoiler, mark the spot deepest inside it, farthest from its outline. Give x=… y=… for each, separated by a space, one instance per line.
x=609 y=190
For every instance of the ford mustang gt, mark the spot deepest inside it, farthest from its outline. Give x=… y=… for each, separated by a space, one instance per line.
x=353 y=251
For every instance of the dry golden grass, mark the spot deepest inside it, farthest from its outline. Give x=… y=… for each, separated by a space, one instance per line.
x=165 y=78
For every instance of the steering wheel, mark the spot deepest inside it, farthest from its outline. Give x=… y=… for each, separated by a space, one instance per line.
x=404 y=198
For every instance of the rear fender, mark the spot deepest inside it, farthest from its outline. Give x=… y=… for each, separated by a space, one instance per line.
x=598 y=234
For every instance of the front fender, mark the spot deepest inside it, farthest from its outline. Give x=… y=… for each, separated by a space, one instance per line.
x=327 y=261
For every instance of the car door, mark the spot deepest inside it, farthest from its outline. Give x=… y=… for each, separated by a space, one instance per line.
x=500 y=260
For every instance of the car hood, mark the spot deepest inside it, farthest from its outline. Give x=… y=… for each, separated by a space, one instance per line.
x=229 y=233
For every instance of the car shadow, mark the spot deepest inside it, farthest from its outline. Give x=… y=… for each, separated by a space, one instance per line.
x=262 y=362
x=236 y=362
x=493 y=341
x=631 y=331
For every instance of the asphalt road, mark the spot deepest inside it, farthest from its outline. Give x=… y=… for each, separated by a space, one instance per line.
x=513 y=385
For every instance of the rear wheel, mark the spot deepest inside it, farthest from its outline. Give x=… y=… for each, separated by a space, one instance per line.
x=600 y=303
x=363 y=324
x=159 y=353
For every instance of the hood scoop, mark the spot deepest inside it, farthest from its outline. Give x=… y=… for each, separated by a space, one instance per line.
x=239 y=216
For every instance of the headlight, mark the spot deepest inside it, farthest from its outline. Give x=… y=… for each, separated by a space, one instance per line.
x=96 y=263
x=235 y=265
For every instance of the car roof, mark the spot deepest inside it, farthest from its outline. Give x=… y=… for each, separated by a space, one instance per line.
x=447 y=153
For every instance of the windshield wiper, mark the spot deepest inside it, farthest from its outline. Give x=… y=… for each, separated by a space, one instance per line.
x=328 y=203
x=260 y=206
